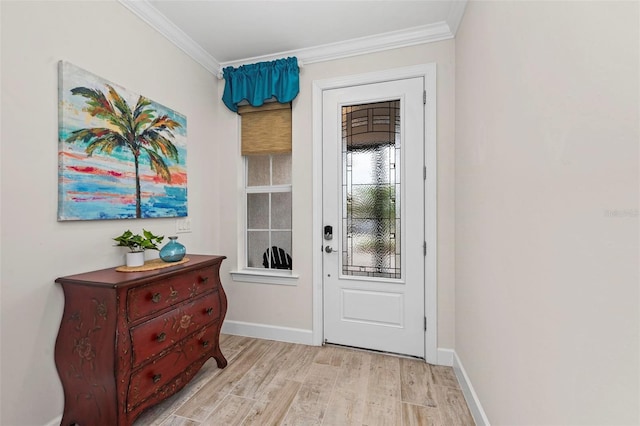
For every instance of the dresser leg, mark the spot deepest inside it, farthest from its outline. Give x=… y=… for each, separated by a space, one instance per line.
x=220 y=359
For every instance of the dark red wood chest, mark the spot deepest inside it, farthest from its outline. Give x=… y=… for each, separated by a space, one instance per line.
x=128 y=340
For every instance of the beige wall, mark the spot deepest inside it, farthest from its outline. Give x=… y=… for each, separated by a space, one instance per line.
x=108 y=40
x=285 y=306
x=547 y=210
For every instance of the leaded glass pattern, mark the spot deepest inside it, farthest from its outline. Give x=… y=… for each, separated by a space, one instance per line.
x=371 y=190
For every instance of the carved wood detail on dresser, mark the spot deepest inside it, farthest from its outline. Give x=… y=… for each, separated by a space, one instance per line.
x=128 y=340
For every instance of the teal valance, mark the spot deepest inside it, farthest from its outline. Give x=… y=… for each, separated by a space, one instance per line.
x=256 y=83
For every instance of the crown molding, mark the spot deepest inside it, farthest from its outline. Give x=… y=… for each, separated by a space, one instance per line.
x=455 y=15
x=359 y=46
x=149 y=14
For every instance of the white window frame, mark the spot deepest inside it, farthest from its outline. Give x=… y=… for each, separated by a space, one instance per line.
x=254 y=274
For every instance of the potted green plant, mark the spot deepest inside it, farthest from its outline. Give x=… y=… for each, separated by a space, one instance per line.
x=137 y=244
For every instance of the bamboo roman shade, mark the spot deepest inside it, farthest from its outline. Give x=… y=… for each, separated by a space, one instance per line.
x=266 y=129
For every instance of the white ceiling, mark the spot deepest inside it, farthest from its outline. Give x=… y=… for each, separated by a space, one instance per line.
x=222 y=33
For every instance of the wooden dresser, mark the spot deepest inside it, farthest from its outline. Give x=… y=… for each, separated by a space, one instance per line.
x=128 y=340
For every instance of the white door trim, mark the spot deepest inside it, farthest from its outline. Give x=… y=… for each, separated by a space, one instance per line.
x=428 y=72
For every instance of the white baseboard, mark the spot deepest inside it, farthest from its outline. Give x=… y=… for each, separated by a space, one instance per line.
x=445 y=357
x=55 y=422
x=269 y=332
x=470 y=396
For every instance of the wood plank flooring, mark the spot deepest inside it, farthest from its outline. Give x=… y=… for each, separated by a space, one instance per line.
x=276 y=383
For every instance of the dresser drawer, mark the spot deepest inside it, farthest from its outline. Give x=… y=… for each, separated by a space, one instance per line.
x=148 y=299
x=153 y=336
x=151 y=378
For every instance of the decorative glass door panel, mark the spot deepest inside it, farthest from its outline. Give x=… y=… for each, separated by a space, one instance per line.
x=372 y=157
x=371 y=179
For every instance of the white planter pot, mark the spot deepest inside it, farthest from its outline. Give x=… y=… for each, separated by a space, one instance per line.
x=135 y=258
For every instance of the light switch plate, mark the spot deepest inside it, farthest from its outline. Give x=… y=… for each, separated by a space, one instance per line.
x=183 y=225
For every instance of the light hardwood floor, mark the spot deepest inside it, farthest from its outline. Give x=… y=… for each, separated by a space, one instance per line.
x=276 y=383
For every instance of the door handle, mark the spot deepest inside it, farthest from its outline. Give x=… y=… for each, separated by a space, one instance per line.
x=329 y=249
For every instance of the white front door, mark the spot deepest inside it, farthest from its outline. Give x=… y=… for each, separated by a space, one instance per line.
x=373 y=216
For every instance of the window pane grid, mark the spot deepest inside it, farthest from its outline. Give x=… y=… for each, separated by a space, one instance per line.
x=269 y=205
x=265 y=189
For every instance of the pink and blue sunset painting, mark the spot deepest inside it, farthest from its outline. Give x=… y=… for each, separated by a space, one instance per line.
x=121 y=155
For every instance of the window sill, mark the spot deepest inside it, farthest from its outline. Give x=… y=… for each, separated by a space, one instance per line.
x=279 y=278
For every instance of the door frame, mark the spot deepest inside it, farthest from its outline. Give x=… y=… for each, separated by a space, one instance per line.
x=428 y=72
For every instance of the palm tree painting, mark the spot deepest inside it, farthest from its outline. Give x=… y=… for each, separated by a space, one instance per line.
x=121 y=155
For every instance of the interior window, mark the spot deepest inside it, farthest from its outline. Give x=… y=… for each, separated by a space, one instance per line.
x=268 y=211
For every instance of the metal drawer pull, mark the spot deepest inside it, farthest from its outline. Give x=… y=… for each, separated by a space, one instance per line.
x=161 y=337
x=204 y=280
x=205 y=343
x=156 y=297
x=156 y=378
x=209 y=311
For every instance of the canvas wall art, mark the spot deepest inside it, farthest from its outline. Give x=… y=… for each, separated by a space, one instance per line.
x=121 y=155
